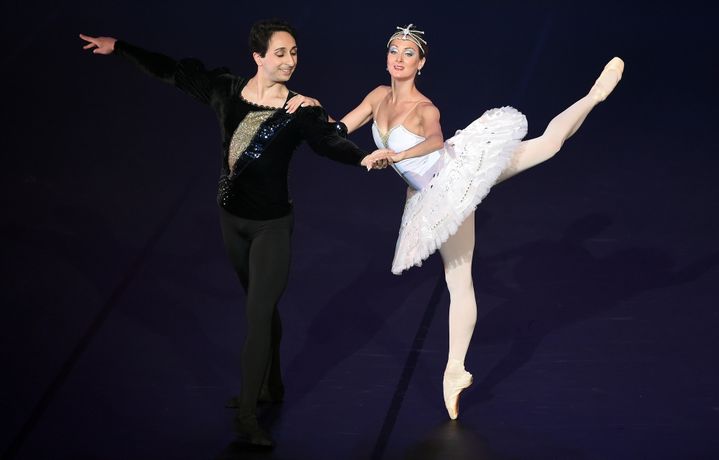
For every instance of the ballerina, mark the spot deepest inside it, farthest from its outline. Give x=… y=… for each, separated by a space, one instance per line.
x=448 y=179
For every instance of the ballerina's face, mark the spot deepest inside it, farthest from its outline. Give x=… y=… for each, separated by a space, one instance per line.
x=403 y=59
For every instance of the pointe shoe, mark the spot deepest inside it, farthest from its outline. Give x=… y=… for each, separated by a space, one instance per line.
x=456 y=380
x=249 y=432
x=607 y=80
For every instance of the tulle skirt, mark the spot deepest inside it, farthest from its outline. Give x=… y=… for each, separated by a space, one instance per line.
x=474 y=158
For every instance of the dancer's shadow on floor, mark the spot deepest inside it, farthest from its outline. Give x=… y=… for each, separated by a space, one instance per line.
x=558 y=283
x=239 y=451
x=456 y=441
x=358 y=309
x=451 y=440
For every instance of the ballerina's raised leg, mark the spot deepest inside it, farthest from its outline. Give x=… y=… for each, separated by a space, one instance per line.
x=534 y=151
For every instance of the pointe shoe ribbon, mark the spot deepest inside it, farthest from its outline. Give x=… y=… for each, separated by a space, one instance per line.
x=605 y=84
x=455 y=381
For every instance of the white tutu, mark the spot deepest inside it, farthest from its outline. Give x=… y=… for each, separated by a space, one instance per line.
x=472 y=161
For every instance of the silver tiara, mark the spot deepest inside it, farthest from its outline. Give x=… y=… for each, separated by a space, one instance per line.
x=408 y=33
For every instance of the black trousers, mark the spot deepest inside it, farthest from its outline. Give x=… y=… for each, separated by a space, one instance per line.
x=260 y=253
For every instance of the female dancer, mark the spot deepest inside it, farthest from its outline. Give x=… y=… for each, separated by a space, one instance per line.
x=447 y=180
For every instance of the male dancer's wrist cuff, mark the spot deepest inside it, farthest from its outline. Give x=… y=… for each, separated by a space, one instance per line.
x=341 y=128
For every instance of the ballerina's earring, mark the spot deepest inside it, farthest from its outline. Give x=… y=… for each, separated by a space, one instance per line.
x=419 y=71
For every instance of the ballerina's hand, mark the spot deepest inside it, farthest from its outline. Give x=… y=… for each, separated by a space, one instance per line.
x=99 y=45
x=378 y=159
x=396 y=158
x=298 y=101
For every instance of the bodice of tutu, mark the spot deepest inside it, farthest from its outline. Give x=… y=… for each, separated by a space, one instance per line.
x=417 y=171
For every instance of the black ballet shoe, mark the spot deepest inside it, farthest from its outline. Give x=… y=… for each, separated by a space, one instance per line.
x=272 y=395
x=249 y=432
x=267 y=396
x=233 y=402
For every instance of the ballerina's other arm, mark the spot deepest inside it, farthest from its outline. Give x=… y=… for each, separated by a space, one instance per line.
x=364 y=112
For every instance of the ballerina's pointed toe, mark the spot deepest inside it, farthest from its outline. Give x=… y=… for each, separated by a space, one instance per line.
x=454 y=383
x=607 y=80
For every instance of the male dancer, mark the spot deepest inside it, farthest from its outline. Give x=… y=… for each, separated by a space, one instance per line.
x=258 y=138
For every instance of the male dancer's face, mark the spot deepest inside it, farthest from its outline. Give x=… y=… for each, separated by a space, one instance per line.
x=280 y=59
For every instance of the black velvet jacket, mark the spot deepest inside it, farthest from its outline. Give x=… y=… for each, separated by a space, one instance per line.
x=256 y=186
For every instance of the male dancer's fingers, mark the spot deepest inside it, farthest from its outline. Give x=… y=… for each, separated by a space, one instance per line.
x=99 y=45
x=380 y=164
x=378 y=159
x=88 y=38
x=372 y=164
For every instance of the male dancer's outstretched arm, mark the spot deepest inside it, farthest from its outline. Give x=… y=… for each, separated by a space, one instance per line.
x=189 y=75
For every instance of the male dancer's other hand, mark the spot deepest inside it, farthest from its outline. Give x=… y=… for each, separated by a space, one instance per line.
x=298 y=101
x=99 y=45
x=379 y=159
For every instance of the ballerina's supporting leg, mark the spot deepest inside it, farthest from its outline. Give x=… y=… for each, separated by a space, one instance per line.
x=457 y=254
x=534 y=151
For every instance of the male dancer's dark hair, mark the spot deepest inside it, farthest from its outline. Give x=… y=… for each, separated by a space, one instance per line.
x=262 y=31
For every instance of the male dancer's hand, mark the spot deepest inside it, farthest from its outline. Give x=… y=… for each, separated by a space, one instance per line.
x=99 y=45
x=298 y=101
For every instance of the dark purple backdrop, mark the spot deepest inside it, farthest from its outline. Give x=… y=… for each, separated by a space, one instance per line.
x=596 y=272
